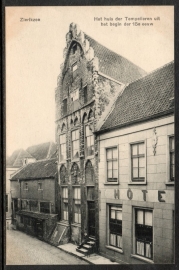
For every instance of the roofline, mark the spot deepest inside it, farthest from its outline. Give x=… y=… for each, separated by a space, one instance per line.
x=149 y=73
x=159 y=115
x=116 y=53
x=33 y=178
x=110 y=78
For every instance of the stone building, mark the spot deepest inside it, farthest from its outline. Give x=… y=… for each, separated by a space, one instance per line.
x=34 y=198
x=136 y=172
x=91 y=77
x=17 y=161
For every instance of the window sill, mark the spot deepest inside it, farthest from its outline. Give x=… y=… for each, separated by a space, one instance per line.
x=137 y=183
x=76 y=225
x=75 y=159
x=170 y=183
x=89 y=157
x=115 y=249
x=62 y=162
x=141 y=258
x=64 y=222
x=111 y=183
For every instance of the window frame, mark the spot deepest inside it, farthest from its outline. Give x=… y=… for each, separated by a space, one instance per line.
x=44 y=208
x=40 y=186
x=117 y=159
x=85 y=93
x=64 y=200
x=143 y=180
x=74 y=48
x=86 y=151
x=171 y=152
x=72 y=147
x=118 y=208
x=74 y=65
x=136 y=255
x=78 y=202
x=26 y=186
x=59 y=158
x=65 y=105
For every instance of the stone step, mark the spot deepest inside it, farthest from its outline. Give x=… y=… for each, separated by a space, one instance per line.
x=91 y=243
x=82 y=250
x=87 y=246
x=92 y=238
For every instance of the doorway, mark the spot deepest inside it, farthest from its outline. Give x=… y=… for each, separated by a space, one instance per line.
x=91 y=218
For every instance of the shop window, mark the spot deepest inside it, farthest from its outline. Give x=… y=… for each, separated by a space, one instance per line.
x=138 y=162
x=65 y=203
x=144 y=233
x=65 y=106
x=62 y=154
x=115 y=226
x=77 y=205
x=75 y=144
x=89 y=141
x=45 y=207
x=172 y=158
x=6 y=203
x=112 y=164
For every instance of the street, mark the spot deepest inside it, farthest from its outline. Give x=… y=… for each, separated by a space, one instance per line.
x=22 y=249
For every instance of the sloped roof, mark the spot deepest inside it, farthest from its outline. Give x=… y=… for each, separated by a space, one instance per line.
x=16 y=159
x=145 y=98
x=42 y=151
x=41 y=169
x=115 y=65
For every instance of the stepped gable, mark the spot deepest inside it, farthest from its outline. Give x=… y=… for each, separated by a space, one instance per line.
x=143 y=99
x=38 y=170
x=42 y=151
x=115 y=65
x=16 y=159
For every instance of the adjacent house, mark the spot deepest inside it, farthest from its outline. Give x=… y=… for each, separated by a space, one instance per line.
x=18 y=160
x=34 y=190
x=136 y=172
x=91 y=78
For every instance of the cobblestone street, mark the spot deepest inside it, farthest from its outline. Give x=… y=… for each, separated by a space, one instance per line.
x=22 y=249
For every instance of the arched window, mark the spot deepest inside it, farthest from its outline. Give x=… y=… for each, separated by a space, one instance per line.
x=63 y=127
x=63 y=173
x=91 y=114
x=89 y=173
x=75 y=173
x=85 y=118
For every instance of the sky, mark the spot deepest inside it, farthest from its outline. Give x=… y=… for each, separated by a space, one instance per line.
x=34 y=53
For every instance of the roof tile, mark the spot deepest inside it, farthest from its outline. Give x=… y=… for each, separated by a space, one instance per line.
x=144 y=98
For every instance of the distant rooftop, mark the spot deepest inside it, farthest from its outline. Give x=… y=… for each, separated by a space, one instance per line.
x=38 y=170
x=38 y=152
